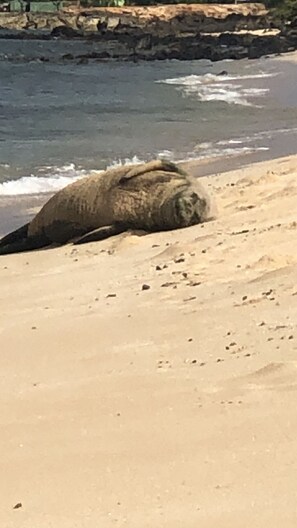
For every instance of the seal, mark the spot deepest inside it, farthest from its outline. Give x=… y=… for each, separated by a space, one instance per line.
x=153 y=196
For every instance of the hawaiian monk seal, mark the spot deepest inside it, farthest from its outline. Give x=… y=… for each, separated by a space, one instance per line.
x=153 y=196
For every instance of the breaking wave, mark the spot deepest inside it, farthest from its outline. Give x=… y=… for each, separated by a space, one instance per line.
x=50 y=180
x=222 y=87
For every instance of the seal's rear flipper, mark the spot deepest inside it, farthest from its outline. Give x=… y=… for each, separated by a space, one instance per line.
x=18 y=241
x=100 y=234
x=26 y=244
x=15 y=236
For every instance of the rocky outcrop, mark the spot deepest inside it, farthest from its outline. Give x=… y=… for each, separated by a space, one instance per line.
x=289 y=33
x=197 y=31
x=162 y=19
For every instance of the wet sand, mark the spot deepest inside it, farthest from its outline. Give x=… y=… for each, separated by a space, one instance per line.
x=170 y=404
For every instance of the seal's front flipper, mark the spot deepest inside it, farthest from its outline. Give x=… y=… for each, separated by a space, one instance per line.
x=26 y=244
x=100 y=234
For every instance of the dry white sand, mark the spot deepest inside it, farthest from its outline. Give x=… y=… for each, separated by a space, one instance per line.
x=170 y=407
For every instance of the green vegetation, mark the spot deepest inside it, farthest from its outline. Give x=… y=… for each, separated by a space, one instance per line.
x=286 y=9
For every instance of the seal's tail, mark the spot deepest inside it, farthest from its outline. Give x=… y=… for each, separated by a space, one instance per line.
x=18 y=241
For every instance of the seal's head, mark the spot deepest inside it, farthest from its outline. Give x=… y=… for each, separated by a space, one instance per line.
x=191 y=206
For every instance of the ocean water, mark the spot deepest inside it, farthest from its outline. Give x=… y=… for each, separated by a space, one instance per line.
x=59 y=119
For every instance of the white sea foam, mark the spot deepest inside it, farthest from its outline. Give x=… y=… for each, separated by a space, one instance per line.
x=52 y=179
x=34 y=185
x=214 y=152
x=126 y=161
x=264 y=135
x=135 y=160
x=224 y=88
x=166 y=155
x=230 y=142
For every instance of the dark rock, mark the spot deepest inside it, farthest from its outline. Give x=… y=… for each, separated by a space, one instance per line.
x=64 y=32
x=263 y=46
x=68 y=56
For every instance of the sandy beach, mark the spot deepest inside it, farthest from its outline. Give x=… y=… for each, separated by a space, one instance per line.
x=150 y=381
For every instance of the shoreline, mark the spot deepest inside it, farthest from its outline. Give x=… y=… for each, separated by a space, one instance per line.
x=16 y=210
x=123 y=405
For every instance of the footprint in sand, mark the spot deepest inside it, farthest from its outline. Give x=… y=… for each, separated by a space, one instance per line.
x=273 y=377
x=276 y=376
x=269 y=177
x=174 y=251
x=287 y=271
x=126 y=240
x=268 y=262
x=289 y=190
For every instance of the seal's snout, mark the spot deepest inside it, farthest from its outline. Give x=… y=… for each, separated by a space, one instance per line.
x=202 y=208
